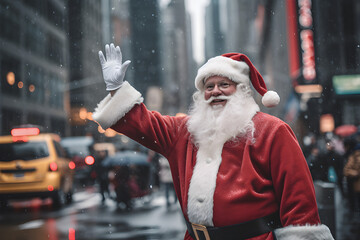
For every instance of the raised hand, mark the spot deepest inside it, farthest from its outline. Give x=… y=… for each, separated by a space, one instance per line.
x=112 y=67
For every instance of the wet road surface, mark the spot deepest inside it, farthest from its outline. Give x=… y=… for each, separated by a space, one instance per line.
x=87 y=218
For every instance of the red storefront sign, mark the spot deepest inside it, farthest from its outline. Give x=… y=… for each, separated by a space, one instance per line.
x=301 y=42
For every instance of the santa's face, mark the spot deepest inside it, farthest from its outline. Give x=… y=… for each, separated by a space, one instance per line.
x=216 y=87
x=215 y=124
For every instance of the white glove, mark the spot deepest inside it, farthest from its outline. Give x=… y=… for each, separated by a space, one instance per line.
x=112 y=67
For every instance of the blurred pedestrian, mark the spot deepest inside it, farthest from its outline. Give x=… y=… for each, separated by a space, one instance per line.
x=121 y=185
x=349 y=146
x=134 y=182
x=314 y=164
x=352 y=171
x=335 y=165
x=239 y=173
x=153 y=158
x=166 y=180
x=326 y=164
x=309 y=143
x=102 y=174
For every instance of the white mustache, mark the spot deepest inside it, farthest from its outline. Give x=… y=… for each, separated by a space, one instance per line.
x=212 y=98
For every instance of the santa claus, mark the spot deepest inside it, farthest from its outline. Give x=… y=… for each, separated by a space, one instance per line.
x=238 y=173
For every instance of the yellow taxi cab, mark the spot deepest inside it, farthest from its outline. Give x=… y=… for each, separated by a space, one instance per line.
x=34 y=165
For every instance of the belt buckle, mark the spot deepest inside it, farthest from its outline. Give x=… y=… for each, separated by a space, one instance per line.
x=202 y=228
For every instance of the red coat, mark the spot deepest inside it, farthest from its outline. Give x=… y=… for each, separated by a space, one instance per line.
x=253 y=180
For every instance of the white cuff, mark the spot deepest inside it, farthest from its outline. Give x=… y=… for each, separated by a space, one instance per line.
x=307 y=232
x=112 y=109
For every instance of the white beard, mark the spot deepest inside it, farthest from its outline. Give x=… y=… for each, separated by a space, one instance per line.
x=217 y=124
x=210 y=128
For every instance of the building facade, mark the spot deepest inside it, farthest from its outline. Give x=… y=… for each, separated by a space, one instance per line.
x=178 y=66
x=34 y=65
x=322 y=54
x=306 y=50
x=87 y=33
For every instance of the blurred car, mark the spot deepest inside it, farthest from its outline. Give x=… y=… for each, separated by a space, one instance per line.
x=129 y=176
x=33 y=164
x=109 y=148
x=81 y=150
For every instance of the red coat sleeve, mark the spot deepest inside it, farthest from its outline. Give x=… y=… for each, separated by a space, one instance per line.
x=292 y=181
x=150 y=128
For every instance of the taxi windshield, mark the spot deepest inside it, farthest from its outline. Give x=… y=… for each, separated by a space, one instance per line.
x=23 y=151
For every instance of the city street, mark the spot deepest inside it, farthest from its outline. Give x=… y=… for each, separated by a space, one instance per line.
x=87 y=218
x=245 y=108
x=347 y=223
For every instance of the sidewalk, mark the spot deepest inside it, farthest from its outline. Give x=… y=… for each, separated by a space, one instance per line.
x=347 y=225
x=335 y=213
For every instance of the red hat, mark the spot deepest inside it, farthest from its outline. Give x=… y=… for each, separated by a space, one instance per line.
x=238 y=68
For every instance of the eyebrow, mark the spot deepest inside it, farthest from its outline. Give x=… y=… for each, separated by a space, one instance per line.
x=221 y=82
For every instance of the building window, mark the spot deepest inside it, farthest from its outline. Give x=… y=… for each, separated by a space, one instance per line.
x=10 y=119
x=58 y=126
x=56 y=92
x=55 y=50
x=55 y=15
x=36 y=119
x=35 y=37
x=10 y=76
x=35 y=90
x=9 y=21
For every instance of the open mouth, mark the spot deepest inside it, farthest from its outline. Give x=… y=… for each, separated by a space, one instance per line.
x=218 y=101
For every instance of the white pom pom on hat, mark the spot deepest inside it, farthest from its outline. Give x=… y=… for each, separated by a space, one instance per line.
x=236 y=67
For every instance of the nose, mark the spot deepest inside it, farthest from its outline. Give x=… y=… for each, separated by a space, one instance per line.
x=216 y=91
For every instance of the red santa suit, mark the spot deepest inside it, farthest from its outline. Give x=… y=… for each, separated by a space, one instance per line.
x=234 y=183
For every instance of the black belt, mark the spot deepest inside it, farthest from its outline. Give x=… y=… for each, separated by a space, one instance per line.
x=244 y=230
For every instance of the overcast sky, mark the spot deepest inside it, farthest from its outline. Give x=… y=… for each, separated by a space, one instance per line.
x=197 y=10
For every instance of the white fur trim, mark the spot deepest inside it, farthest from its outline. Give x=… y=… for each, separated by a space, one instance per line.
x=203 y=183
x=270 y=99
x=308 y=232
x=237 y=71
x=111 y=109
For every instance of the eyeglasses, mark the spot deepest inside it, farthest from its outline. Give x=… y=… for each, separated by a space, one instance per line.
x=221 y=86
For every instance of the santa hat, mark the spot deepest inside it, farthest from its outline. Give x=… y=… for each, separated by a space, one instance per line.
x=236 y=67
